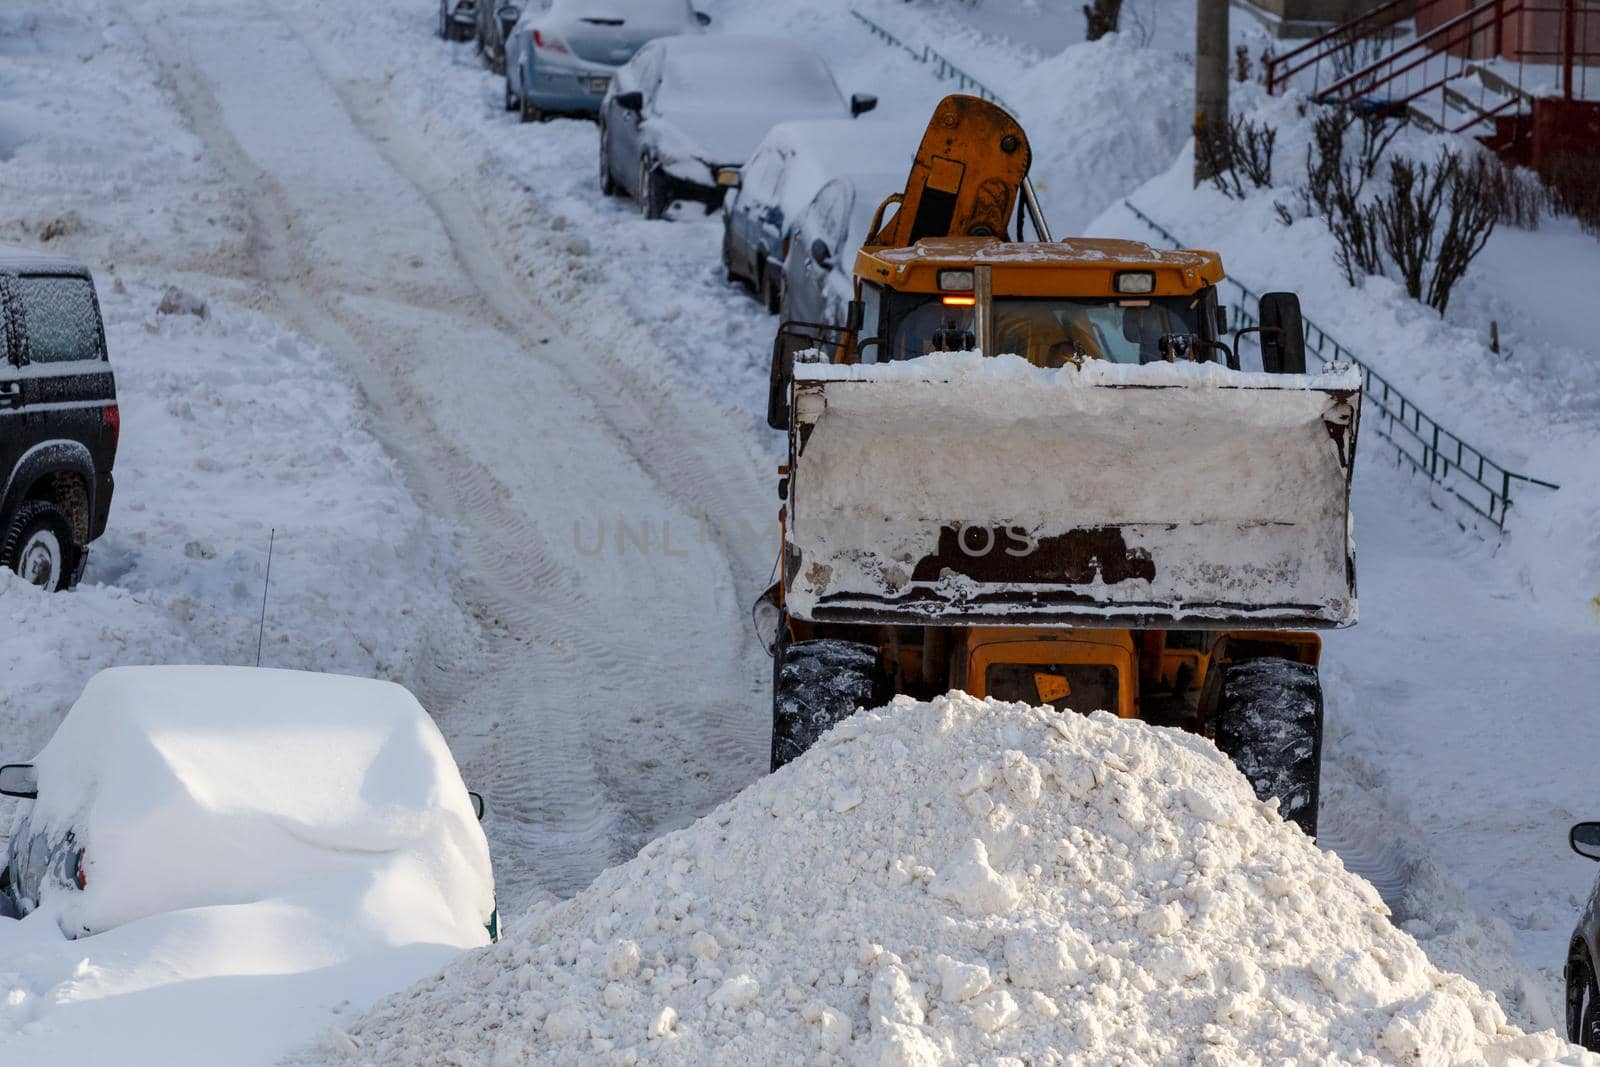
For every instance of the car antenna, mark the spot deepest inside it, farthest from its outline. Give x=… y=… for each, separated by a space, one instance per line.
x=261 y=630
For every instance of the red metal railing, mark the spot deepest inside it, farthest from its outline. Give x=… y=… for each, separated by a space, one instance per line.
x=1326 y=46
x=1423 y=64
x=1428 y=57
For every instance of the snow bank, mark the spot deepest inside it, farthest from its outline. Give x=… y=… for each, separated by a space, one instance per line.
x=1102 y=117
x=195 y=786
x=959 y=882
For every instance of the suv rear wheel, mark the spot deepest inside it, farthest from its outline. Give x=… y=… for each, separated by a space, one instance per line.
x=38 y=546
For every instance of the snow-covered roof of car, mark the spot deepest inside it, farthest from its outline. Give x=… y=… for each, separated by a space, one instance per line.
x=815 y=148
x=718 y=44
x=20 y=258
x=845 y=139
x=194 y=786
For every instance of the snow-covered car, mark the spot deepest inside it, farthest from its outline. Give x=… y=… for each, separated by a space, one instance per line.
x=683 y=116
x=1583 y=954
x=174 y=788
x=792 y=162
x=562 y=55
x=817 y=285
x=458 y=19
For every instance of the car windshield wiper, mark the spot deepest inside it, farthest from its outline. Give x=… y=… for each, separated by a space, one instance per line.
x=603 y=22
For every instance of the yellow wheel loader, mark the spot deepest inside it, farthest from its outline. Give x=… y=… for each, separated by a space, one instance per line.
x=1031 y=469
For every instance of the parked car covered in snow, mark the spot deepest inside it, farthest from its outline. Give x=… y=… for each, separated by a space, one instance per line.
x=173 y=788
x=1582 y=971
x=792 y=162
x=561 y=56
x=59 y=420
x=818 y=259
x=686 y=112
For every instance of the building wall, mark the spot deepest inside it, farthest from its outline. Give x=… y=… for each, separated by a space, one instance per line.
x=1531 y=35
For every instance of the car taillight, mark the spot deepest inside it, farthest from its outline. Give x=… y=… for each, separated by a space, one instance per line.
x=82 y=875
x=787 y=239
x=551 y=44
x=111 y=419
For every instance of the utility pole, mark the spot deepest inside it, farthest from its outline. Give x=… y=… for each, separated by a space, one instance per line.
x=1210 y=76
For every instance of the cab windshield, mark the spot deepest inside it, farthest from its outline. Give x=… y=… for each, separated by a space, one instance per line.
x=1046 y=331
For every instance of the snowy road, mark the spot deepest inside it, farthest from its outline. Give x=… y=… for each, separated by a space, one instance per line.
x=601 y=512
x=577 y=390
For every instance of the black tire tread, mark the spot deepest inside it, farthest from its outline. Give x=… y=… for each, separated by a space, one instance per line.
x=30 y=516
x=1269 y=722
x=816 y=685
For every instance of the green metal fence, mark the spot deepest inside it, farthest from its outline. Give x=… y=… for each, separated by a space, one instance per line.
x=943 y=69
x=1421 y=443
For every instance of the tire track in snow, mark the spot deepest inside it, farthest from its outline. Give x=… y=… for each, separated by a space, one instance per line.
x=581 y=763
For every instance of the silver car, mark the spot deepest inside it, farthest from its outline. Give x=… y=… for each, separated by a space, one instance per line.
x=561 y=54
x=816 y=282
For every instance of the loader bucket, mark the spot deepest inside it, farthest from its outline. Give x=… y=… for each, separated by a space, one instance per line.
x=955 y=489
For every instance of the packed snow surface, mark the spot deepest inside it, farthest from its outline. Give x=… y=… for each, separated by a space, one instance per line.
x=957 y=882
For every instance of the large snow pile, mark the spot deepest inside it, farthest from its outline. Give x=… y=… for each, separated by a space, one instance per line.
x=193 y=786
x=960 y=882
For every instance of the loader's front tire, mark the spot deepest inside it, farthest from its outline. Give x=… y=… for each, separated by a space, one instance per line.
x=815 y=685
x=1269 y=722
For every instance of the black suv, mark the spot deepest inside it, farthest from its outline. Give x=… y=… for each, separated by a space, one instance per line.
x=58 y=418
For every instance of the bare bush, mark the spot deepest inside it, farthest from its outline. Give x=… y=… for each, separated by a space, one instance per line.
x=1241 y=63
x=1519 y=198
x=1138 y=21
x=1474 y=208
x=1237 y=153
x=1437 y=215
x=1573 y=182
x=1426 y=223
x=1405 y=214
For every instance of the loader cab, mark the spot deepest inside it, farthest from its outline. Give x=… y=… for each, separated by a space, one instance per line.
x=1048 y=332
x=1052 y=303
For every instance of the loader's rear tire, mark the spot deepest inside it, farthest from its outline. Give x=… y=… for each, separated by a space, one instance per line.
x=1269 y=722
x=815 y=685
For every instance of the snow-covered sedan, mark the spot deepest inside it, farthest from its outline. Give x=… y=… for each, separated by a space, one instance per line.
x=792 y=162
x=562 y=54
x=686 y=112
x=170 y=789
x=820 y=253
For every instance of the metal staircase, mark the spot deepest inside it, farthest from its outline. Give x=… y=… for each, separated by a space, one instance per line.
x=1454 y=65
